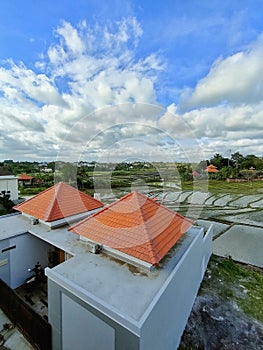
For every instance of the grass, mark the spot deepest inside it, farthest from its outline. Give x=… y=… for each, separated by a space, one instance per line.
x=241 y=283
x=222 y=187
x=253 y=303
x=31 y=190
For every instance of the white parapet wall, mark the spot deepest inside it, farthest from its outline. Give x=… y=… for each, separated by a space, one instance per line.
x=167 y=317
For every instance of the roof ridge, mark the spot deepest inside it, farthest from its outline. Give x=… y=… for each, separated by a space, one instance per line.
x=140 y=207
x=83 y=194
x=170 y=210
x=51 y=206
x=175 y=213
x=100 y=211
x=36 y=195
x=151 y=241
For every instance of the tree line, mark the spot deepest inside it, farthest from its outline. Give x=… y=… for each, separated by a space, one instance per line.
x=81 y=174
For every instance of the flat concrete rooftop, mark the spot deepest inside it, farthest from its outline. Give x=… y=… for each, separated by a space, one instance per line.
x=120 y=288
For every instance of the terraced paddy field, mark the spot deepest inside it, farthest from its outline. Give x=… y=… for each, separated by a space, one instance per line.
x=228 y=311
x=216 y=200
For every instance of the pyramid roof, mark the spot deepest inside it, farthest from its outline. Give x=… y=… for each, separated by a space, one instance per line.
x=58 y=202
x=135 y=225
x=211 y=169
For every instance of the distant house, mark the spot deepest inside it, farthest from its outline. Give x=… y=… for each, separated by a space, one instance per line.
x=26 y=180
x=211 y=169
x=8 y=183
x=47 y=170
x=130 y=273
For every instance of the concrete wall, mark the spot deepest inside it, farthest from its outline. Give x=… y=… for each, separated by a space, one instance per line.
x=8 y=183
x=162 y=324
x=26 y=251
x=73 y=319
x=167 y=317
x=90 y=329
x=5 y=262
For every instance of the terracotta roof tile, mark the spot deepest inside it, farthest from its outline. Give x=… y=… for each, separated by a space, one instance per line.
x=135 y=225
x=24 y=176
x=58 y=202
x=211 y=169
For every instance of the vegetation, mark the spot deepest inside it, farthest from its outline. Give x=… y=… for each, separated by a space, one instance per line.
x=217 y=187
x=87 y=175
x=28 y=191
x=6 y=204
x=241 y=283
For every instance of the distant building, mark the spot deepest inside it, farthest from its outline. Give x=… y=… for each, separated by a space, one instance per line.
x=47 y=170
x=211 y=169
x=26 y=180
x=130 y=273
x=8 y=183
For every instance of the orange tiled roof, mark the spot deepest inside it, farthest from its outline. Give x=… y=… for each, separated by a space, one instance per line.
x=58 y=202
x=135 y=225
x=24 y=176
x=211 y=169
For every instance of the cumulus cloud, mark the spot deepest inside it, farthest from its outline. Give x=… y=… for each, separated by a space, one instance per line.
x=50 y=108
x=85 y=68
x=224 y=110
x=19 y=83
x=219 y=128
x=236 y=79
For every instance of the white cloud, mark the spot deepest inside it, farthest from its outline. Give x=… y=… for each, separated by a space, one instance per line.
x=86 y=68
x=237 y=79
x=71 y=38
x=224 y=110
x=219 y=128
x=17 y=82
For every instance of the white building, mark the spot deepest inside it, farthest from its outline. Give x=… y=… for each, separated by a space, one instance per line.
x=9 y=184
x=136 y=293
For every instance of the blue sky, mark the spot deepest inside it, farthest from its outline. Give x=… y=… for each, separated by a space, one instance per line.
x=64 y=64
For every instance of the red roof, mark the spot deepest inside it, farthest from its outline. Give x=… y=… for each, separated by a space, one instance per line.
x=135 y=225
x=211 y=169
x=58 y=202
x=24 y=176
